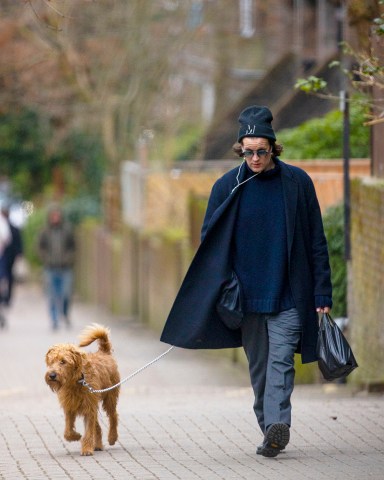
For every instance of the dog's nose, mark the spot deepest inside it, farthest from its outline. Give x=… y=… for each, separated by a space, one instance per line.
x=52 y=376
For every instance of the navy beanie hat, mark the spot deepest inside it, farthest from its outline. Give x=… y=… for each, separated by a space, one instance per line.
x=256 y=122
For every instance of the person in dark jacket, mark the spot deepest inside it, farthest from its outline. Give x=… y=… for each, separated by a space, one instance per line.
x=12 y=251
x=262 y=222
x=5 y=239
x=56 y=249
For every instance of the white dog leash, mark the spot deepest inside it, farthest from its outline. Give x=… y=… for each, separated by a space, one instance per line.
x=93 y=390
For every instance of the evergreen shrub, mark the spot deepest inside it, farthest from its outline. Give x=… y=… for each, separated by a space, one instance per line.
x=333 y=220
x=323 y=137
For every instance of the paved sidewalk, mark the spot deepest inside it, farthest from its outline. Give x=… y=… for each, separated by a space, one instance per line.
x=187 y=417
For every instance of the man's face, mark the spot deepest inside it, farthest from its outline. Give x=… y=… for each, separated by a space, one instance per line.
x=55 y=217
x=257 y=162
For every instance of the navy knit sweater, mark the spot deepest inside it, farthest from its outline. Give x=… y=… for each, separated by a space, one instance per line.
x=260 y=245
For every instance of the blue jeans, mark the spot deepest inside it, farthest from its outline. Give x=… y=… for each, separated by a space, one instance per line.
x=270 y=342
x=59 y=288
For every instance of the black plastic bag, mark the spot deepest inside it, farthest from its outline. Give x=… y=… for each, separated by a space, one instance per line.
x=335 y=356
x=228 y=305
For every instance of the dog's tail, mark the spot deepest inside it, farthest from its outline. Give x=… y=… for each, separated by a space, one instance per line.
x=96 y=332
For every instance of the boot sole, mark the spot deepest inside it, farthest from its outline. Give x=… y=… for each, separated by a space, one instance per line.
x=277 y=439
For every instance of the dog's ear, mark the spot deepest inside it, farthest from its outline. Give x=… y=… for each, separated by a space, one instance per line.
x=47 y=355
x=77 y=357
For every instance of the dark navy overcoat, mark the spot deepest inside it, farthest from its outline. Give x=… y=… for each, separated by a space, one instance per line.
x=193 y=321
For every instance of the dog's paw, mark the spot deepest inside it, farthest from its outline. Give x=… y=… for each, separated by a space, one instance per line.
x=72 y=436
x=99 y=446
x=86 y=453
x=112 y=438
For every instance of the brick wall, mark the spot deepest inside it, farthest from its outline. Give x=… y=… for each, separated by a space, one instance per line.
x=366 y=280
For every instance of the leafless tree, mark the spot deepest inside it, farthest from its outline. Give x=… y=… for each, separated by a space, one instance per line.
x=104 y=65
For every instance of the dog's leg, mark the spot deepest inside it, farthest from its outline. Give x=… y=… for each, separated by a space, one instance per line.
x=98 y=437
x=110 y=405
x=70 y=433
x=112 y=435
x=88 y=440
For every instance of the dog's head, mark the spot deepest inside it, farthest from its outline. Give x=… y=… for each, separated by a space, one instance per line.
x=65 y=364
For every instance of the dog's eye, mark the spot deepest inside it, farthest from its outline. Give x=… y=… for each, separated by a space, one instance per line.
x=62 y=362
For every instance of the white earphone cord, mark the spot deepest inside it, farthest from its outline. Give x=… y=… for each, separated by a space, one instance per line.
x=245 y=181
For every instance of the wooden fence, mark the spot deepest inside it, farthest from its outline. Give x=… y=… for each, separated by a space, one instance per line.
x=136 y=271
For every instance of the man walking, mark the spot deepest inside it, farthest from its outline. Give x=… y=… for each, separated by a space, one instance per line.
x=263 y=223
x=56 y=248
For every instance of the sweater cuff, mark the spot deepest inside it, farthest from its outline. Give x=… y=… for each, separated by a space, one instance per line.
x=323 y=301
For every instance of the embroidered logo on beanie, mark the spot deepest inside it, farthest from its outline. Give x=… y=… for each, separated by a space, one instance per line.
x=256 y=121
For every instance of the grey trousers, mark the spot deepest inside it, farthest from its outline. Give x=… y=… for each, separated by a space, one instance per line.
x=270 y=341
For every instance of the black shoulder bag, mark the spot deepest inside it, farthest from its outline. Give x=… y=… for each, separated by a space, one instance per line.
x=229 y=303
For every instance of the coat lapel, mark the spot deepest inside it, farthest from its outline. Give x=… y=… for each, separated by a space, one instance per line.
x=235 y=194
x=290 y=192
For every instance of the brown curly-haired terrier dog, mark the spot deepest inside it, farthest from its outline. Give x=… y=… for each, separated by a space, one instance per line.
x=67 y=365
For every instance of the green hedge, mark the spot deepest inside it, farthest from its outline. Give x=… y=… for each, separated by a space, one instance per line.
x=323 y=137
x=30 y=233
x=333 y=220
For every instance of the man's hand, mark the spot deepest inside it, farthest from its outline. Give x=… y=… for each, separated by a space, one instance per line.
x=323 y=310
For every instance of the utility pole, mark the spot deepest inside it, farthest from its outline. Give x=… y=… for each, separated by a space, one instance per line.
x=347 y=194
x=344 y=104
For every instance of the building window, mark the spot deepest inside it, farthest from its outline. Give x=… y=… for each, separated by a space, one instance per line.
x=195 y=15
x=247 y=29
